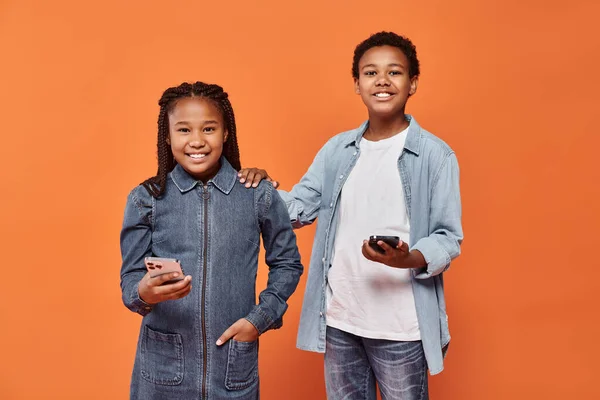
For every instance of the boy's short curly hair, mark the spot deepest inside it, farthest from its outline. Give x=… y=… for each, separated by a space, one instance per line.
x=388 y=39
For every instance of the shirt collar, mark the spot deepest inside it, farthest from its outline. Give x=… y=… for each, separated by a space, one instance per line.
x=224 y=180
x=413 y=136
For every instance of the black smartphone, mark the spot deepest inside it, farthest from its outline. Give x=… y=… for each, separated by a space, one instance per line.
x=392 y=241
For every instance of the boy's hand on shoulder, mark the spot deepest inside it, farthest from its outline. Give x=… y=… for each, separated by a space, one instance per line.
x=399 y=257
x=253 y=176
x=241 y=330
x=151 y=290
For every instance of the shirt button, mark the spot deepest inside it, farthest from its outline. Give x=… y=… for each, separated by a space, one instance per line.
x=355 y=153
x=341 y=176
x=323 y=259
x=321 y=314
x=331 y=205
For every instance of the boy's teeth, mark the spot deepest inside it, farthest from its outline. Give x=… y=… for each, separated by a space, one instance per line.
x=382 y=95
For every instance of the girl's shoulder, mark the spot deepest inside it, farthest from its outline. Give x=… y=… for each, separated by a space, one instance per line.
x=141 y=199
x=264 y=194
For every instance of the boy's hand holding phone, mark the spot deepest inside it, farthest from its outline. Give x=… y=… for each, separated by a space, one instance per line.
x=164 y=280
x=381 y=249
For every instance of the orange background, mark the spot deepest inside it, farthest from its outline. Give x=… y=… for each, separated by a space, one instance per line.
x=512 y=87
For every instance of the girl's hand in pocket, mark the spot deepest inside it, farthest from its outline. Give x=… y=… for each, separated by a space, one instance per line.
x=242 y=331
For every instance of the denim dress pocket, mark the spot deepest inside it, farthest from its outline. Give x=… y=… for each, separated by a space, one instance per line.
x=242 y=365
x=161 y=357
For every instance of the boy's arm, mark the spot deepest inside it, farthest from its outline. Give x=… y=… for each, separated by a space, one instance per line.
x=136 y=238
x=304 y=200
x=282 y=258
x=443 y=244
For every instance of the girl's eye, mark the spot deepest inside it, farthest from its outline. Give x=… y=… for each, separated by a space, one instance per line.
x=209 y=129
x=395 y=72
x=185 y=130
x=370 y=73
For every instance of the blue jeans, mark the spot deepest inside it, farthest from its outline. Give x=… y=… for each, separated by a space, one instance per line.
x=354 y=366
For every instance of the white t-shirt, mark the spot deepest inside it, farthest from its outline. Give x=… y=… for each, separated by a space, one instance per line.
x=366 y=298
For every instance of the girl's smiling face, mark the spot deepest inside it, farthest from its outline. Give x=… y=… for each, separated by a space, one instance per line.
x=196 y=136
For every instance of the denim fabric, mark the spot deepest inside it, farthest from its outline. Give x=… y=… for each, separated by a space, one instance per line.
x=215 y=231
x=430 y=176
x=353 y=364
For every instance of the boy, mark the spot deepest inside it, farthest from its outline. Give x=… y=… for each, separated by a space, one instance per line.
x=380 y=318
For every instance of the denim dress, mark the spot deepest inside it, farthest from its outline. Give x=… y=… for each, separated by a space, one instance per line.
x=215 y=230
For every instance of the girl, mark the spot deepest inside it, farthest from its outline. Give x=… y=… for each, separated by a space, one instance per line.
x=200 y=340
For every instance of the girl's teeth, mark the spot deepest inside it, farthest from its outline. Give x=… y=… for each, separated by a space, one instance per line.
x=197 y=155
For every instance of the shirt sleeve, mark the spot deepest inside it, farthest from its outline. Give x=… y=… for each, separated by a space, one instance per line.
x=443 y=244
x=282 y=257
x=303 y=202
x=136 y=244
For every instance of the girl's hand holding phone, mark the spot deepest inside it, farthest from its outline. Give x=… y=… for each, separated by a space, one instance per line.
x=154 y=290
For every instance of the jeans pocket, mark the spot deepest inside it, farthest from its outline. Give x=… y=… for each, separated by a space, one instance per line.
x=161 y=357
x=242 y=365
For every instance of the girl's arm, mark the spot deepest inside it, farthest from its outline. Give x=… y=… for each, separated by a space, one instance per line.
x=282 y=258
x=136 y=244
x=140 y=292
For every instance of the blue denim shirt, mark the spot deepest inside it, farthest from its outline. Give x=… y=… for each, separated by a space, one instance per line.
x=430 y=178
x=215 y=231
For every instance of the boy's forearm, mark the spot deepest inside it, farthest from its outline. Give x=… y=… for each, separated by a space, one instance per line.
x=296 y=209
x=416 y=259
x=438 y=250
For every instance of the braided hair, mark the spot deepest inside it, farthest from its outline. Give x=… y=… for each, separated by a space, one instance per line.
x=156 y=185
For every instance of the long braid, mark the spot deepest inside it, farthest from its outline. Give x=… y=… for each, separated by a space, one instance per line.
x=231 y=150
x=157 y=184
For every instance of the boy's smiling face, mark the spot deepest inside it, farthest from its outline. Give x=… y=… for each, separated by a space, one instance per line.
x=383 y=81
